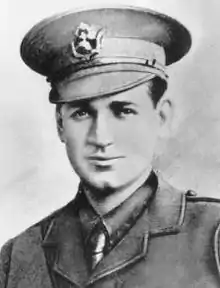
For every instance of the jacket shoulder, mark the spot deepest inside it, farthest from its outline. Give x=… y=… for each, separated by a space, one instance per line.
x=24 y=252
x=31 y=236
x=205 y=212
x=5 y=259
x=35 y=232
x=202 y=211
x=203 y=205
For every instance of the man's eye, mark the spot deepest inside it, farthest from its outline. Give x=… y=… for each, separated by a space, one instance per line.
x=80 y=114
x=124 y=112
x=128 y=111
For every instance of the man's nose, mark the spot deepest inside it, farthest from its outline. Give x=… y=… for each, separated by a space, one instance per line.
x=100 y=134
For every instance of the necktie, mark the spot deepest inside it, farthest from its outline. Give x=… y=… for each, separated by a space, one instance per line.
x=97 y=243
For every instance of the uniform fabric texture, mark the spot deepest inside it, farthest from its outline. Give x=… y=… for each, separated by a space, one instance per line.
x=175 y=243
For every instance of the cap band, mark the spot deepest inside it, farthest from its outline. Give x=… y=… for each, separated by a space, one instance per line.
x=111 y=67
x=128 y=52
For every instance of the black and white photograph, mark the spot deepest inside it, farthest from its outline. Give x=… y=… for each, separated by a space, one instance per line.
x=110 y=144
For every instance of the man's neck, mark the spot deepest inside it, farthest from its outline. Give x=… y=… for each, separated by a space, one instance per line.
x=110 y=202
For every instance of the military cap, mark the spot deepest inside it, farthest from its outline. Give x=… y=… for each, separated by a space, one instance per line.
x=104 y=50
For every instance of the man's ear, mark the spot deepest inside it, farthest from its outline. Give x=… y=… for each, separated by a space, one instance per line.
x=165 y=113
x=59 y=122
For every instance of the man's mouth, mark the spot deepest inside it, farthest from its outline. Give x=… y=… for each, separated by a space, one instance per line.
x=100 y=160
x=103 y=158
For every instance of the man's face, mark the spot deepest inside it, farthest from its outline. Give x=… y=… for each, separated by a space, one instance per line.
x=110 y=141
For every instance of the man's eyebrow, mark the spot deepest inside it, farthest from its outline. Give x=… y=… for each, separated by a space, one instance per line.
x=122 y=103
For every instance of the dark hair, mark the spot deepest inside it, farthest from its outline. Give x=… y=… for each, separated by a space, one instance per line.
x=157 y=87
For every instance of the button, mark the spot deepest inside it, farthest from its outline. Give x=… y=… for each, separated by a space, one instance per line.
x=191 y=193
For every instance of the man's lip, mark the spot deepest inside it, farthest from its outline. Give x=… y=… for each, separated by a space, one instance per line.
x=103 y=158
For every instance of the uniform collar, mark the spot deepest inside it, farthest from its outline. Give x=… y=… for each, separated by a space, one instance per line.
x=164 y=216
x=119 y=220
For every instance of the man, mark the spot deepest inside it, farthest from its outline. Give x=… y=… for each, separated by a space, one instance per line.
x=126 y=227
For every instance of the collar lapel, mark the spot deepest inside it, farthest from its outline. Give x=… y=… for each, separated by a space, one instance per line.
x=130 y=249
x=164 y=216
x=63 y=246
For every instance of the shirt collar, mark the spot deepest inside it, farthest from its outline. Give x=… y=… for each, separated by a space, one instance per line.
x=119 y=220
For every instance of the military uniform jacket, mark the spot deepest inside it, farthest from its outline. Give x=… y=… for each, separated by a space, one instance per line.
x=175 y=243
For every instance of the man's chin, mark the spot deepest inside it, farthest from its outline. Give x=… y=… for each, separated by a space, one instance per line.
x=101 y=189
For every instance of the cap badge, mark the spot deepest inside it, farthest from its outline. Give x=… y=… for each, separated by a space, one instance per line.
x=87 y=41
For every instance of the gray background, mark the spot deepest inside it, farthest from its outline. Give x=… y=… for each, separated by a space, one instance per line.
x=36 y=177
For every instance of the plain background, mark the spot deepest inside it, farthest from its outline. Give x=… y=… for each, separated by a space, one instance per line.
x=35 y=176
